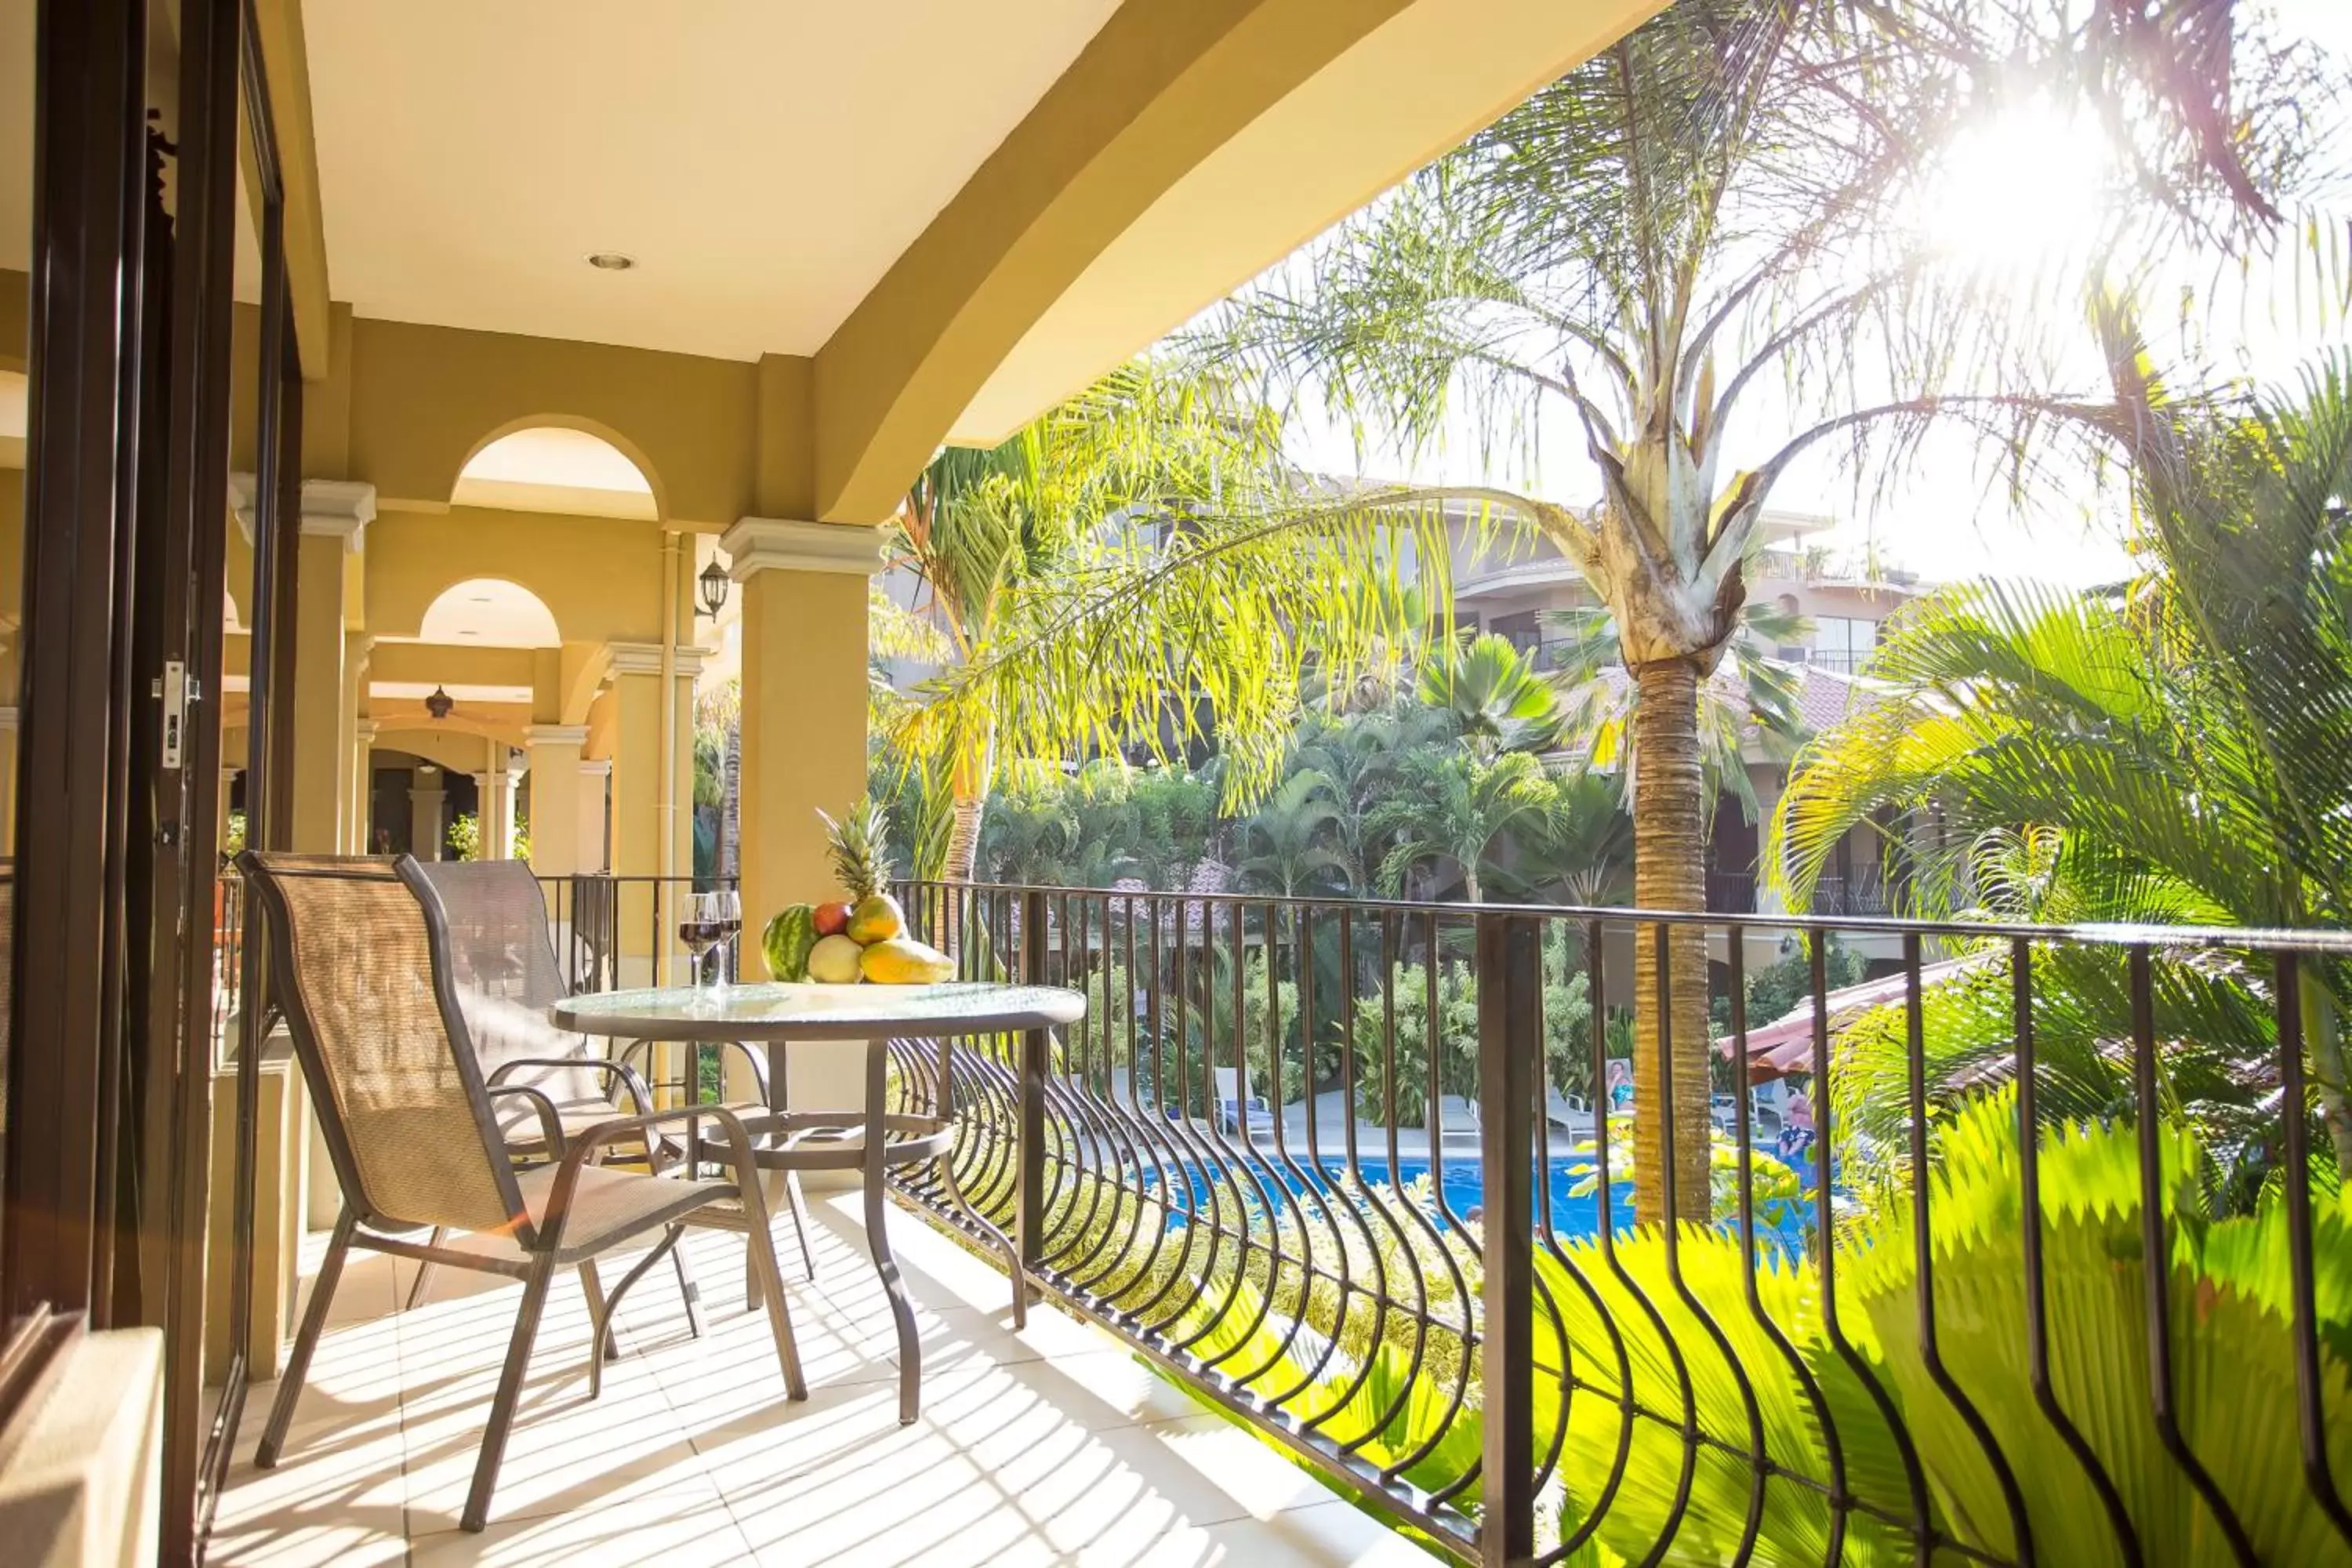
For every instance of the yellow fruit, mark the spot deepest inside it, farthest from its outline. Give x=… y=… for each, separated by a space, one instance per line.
x=902 y=960
x=834 y=960
x=877 y=918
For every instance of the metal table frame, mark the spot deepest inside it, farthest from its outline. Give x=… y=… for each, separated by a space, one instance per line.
x=786 y=1140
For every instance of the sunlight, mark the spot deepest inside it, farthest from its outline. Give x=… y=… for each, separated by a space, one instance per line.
x=2018 y=193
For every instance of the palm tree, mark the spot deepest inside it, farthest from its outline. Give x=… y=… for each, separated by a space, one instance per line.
x=2180 y=748
x=1493 y=695
x=1751 y=698
x=1453 y=808
x=996 y=539
x=1699 y=221
x=1288 y=835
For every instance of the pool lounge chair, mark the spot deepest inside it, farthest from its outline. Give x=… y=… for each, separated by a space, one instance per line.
x=1567 y=1110
x=1232 y=1107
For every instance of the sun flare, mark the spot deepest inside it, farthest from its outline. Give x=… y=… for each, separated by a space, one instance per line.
x=2019 y=192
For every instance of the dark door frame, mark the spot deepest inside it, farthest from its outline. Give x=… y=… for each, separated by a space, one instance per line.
x=107 y=1153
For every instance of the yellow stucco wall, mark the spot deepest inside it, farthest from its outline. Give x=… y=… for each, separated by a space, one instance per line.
x=424 y=399
x=601 y=577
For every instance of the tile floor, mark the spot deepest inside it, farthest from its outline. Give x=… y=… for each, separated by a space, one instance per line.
x=1051 y=1446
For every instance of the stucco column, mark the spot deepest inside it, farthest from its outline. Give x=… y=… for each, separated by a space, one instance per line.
x=803 y=731
x=596 y=845
x=8 y=775
x=555 y=797
x=494 y=793
x=645 y=813
x=335 y=515
x=360 y=806
x=425 y=822
x=351 y=756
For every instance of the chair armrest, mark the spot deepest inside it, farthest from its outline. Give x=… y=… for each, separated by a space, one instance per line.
x=567 y=1176
x=551 y=1125
x=640 y=1096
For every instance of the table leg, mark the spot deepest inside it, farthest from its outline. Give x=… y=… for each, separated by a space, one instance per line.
x=980 y=1221
x=878 y=1209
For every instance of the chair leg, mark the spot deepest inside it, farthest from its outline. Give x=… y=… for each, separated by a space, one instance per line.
x=688 y=1290
x=297 y=1364
x=760 y=1249
x=800 y=1220
x=600 y=1318
x=786 y=1185
x=424 y=1270
x=510 y=1393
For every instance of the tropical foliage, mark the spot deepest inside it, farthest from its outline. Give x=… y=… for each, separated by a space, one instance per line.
x=2178 y=750
x=2232 y=1370
x=1698 y=240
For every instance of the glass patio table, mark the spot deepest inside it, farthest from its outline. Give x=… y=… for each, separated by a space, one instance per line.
x=779 y=1016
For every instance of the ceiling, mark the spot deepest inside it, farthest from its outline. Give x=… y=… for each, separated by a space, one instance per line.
x=764 y=161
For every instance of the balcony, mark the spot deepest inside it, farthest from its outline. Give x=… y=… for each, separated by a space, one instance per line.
x=1277 y=1278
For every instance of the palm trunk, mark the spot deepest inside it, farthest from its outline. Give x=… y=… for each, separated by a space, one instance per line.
x=963 y=852
x=730 y=803
x=972 y=769
x=2324 y=1038
x=1669 y=873
x=1470 y=882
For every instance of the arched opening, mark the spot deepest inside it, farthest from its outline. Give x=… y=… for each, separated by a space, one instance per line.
x=557 y=469
x=489 y=611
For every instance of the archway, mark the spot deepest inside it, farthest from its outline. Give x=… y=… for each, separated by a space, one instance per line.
x=489 y=611
x=556 y=464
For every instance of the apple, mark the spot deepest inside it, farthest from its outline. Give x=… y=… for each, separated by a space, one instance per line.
x=833 y=919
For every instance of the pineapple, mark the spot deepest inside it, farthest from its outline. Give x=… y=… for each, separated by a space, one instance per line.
x=861 y=864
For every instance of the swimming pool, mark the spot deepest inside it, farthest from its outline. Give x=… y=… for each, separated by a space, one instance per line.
x=1460 y=1185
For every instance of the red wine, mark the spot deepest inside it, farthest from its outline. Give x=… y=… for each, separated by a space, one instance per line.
x=701 y=934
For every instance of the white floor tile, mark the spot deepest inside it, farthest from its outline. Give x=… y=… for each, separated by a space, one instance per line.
x=1047 y=1446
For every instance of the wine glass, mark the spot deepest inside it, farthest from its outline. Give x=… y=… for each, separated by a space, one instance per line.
x=712 y=921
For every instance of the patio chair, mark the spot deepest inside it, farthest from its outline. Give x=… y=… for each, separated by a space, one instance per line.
x=1232 y=1107
x=502 y=958
x=1570 y=1111
x=361 y=956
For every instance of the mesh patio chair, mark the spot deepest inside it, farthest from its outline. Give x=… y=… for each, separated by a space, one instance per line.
x=362 y=958
x=503 y=955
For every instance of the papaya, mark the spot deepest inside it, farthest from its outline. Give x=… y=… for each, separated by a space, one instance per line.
x=785 y=943
x=834 y=961
x=902 y=960
x=877 y=918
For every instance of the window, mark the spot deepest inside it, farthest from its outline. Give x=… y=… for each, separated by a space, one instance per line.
x=1842 y=643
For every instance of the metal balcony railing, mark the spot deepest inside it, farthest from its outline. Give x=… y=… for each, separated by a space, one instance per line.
x=1862 y=896
x=1731 y=892
x=1334 y=1167
x=614 y=931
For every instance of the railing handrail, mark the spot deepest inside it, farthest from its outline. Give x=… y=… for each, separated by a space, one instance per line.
x=2268 y=938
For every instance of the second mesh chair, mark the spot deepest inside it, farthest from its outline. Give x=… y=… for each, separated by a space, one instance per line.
x=502 y=957
x=361 y=955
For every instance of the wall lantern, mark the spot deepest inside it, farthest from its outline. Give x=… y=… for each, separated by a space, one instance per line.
x=439 y=704
x=713 y=578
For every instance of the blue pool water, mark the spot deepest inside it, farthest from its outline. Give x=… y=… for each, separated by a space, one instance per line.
x=1460 y=1185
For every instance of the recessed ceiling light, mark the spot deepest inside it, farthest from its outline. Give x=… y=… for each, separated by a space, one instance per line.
x=612 y=260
